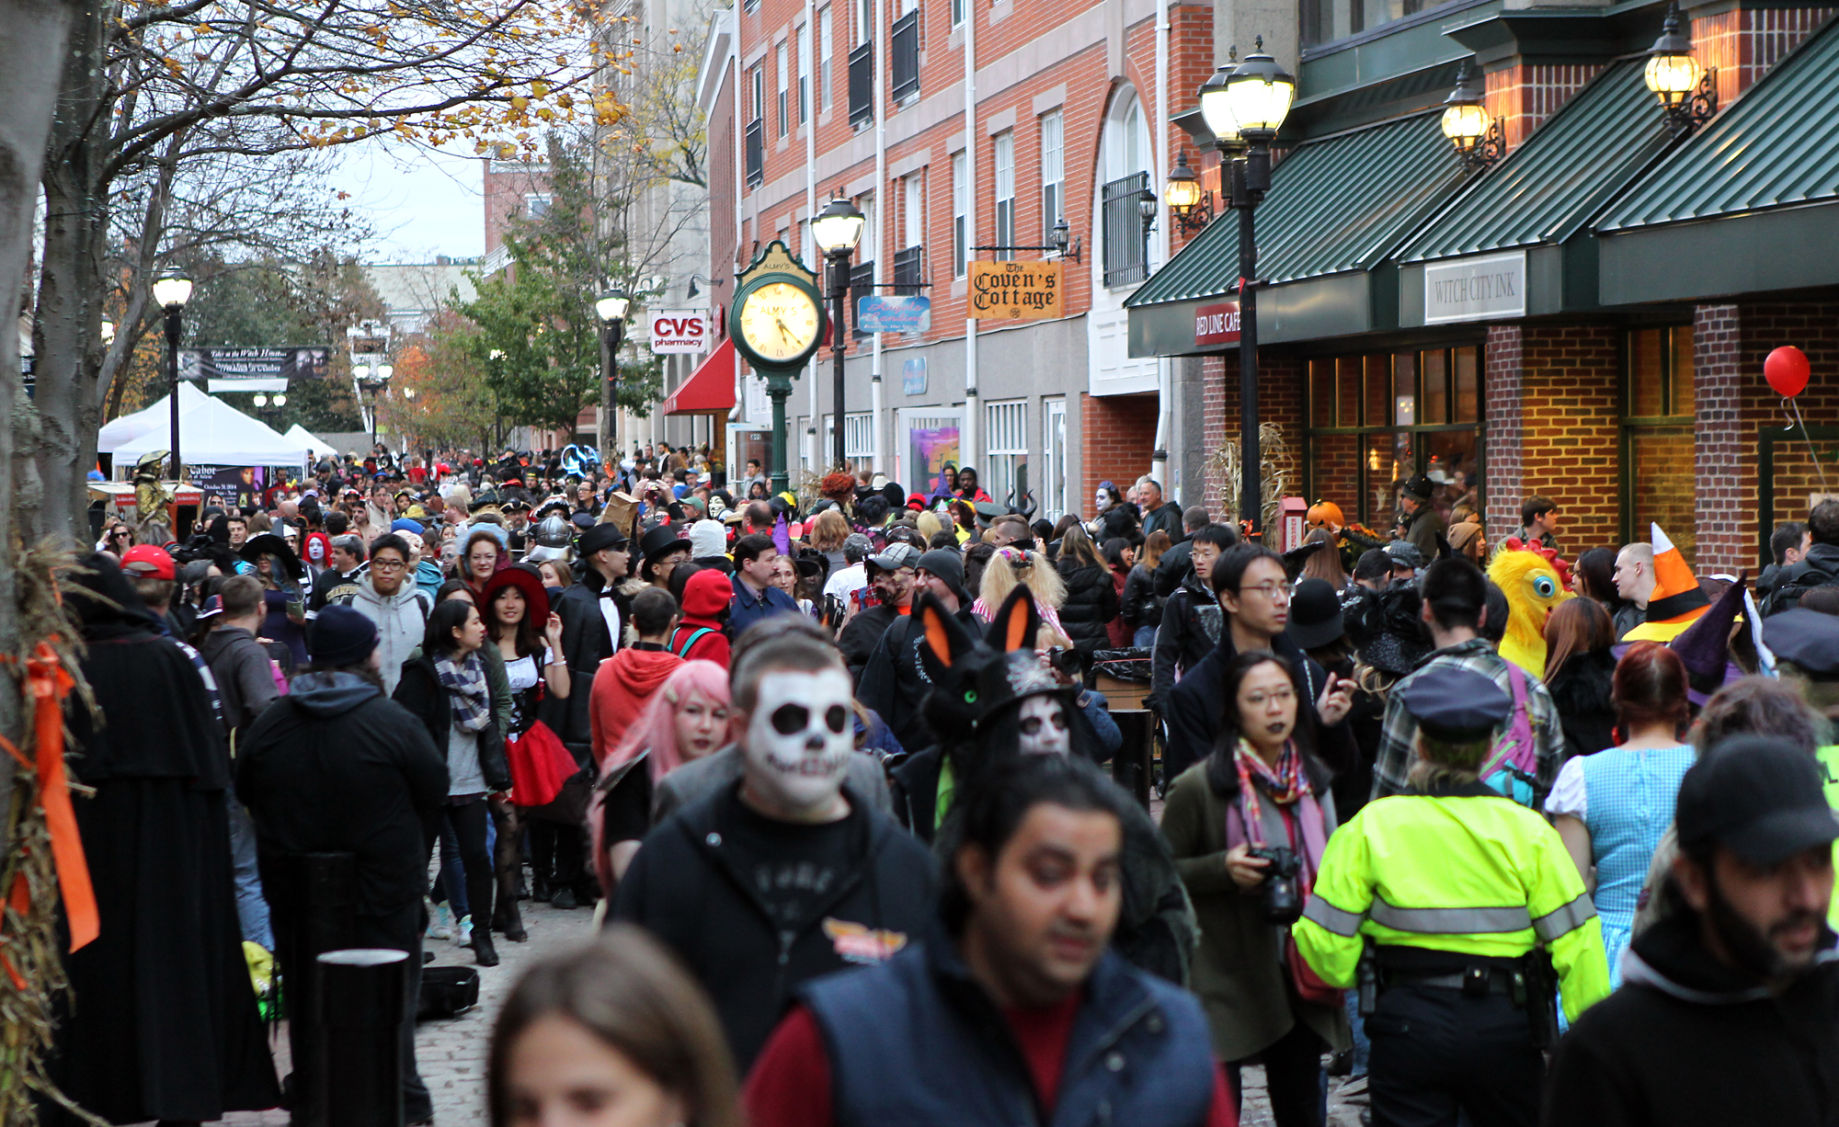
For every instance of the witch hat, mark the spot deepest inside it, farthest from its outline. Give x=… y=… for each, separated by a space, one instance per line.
x=1704 y=646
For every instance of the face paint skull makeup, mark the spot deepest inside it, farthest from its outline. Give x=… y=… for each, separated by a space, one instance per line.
x=799 y=738
x=1041 y=725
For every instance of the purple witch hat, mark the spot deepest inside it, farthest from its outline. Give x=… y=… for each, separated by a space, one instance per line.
x=1704 y=646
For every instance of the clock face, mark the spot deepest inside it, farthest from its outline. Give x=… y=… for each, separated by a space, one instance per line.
x=780 y=321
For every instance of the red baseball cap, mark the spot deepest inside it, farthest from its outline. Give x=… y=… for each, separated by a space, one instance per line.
x=148 y=561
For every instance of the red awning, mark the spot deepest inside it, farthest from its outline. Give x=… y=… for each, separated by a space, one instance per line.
x=710 y=389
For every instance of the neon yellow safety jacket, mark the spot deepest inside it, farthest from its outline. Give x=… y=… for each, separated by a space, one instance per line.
x=1465 y=871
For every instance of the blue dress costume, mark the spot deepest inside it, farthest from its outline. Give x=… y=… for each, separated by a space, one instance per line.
x=1628 y=804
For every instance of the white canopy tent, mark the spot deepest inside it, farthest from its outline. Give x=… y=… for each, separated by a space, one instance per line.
x=211 y=432
x=316 y=448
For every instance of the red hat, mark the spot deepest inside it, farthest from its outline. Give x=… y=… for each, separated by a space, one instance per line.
x=526 y=579
x=147 y=562
x=707 y=594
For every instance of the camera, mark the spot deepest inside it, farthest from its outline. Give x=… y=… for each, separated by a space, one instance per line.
x=1282 y=904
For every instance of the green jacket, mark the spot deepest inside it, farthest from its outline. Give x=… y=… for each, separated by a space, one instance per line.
x=1238 y=968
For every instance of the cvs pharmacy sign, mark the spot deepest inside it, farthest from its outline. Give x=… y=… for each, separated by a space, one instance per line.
x=680 y=330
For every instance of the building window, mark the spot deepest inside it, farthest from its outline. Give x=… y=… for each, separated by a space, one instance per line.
x=1324 y=21
x=754 y=137
x=1006 y=467
x=783 y=75
x=861 y=85
x=957 y=13
x=1377 y=418
x=1658 y=440
x=536 y=204
x=865 y=21
x=858 y=439
x=804 y=80
x=960 y=193
x=1053 y=175
x=1053 y=465
x=913 y=213
x=759 y=94
x=825 y=49
x=1004 y=155
x=903 y=54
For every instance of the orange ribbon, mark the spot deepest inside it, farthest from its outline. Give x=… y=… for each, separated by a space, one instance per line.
x=49 y=683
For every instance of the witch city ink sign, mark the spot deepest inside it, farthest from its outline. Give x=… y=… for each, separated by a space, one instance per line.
x=1475 y=289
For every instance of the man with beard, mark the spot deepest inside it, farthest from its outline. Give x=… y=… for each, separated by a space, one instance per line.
x=1015 y=1010
x=1729 y=1011
x=786 y=875
x=890 y=573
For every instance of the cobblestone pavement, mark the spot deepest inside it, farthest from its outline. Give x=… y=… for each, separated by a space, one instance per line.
x=451 y=1053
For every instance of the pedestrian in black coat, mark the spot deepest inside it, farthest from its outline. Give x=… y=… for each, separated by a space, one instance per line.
x=1091 y=597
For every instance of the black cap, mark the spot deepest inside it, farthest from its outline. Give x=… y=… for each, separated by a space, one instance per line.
x=1315 y=614
x=1807 y=638
x=948 y=566
x=599 y=537
x=341 y=635
x=1417 y=487
x=1456 y=705
x=1760 y=797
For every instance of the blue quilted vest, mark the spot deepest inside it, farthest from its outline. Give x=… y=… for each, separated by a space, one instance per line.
x=915 y=1042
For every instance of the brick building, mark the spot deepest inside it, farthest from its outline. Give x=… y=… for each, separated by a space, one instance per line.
x=956 y=125
x=1585 y=318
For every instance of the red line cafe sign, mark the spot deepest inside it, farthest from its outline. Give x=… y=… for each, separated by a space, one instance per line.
x=1216 y=324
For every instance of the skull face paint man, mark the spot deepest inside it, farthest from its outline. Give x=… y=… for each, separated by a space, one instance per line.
x=800 y=736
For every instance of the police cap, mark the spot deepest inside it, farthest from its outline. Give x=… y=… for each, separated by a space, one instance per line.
x=1807 y=638
x=1456 y=705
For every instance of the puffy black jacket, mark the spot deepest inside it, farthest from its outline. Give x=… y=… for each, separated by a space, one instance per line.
x=1091 y=604
x=421 y=692
x=1818 y=568
x=690 y=887
x=1141 y=605
x=1191 y=625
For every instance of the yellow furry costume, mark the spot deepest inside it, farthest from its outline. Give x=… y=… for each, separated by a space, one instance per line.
x=1534 y=581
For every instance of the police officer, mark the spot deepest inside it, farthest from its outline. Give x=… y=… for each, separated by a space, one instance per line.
x=1462 y=894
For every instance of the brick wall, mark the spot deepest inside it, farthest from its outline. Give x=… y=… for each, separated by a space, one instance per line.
x=1743 y=44
x=1502 y=401
x=1522 y=95
x=1118 y=436
x=1568 y=432
x=1280 y=402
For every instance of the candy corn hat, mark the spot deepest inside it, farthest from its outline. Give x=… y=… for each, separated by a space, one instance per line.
x=1677 y=600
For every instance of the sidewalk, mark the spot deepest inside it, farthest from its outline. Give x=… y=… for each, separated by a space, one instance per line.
x=451 y=1053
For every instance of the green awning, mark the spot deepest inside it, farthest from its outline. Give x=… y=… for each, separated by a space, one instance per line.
x=1748 y=204
x=1338 y=205
x=1548 y=187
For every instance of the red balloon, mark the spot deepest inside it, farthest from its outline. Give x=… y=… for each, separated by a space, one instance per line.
x=1786 y=370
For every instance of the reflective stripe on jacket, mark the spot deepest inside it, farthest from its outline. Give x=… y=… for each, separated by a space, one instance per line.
x=1465 y=871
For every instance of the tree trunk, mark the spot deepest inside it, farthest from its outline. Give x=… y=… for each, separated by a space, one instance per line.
x=31 y=55
x=67 y=330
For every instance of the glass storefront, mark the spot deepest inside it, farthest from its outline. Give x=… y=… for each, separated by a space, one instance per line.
x=1377 y=418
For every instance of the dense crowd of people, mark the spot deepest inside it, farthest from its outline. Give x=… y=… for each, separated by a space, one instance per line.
x=1468 y=831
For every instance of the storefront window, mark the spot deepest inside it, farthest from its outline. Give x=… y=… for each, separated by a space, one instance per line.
x=1394 y=414
x=1657 y=435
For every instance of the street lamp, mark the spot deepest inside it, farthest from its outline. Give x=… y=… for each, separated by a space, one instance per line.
x=1687 y=91
x=171 y=290
x=837 y=229
x=1469 y=125
x=1190 y=206
x=1244 y=103
x=611 y=308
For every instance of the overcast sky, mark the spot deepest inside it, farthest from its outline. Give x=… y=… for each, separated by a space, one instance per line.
x=419 y=204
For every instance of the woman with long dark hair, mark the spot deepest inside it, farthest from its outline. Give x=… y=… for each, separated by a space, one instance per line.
x=1579 y=669
x=617 y=1027
x=1262 y=787
x=1611 y=808
x=446 y=688
x=1139 y=604
x=1091 y=598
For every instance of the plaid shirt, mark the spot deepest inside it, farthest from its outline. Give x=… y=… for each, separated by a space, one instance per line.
x=1398 y=738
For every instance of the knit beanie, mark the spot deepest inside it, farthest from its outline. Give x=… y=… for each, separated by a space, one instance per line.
x=341 y=636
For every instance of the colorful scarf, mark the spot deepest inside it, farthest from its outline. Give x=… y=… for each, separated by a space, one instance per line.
x=465 y=683
x=1286 y=783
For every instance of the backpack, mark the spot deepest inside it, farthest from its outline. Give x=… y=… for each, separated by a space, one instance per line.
x=1513 y=767
x=689 y=643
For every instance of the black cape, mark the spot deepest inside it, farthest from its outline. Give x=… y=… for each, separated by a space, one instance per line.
x=161 y=1020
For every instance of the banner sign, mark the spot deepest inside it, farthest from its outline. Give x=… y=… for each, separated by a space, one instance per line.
x=680 y=331
x=252 y=369
x=228 y=485
x=897 y=313
x=1216 y=324
x=1474 y=289
x=1015 y=291
x=913 y=375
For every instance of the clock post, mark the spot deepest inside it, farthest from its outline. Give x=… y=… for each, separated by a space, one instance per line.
x=778 y=319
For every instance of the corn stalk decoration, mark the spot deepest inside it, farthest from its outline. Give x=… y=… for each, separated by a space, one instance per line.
x=1274 y=474
x=31 y=961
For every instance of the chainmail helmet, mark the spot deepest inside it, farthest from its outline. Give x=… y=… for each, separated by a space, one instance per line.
x=555 y=531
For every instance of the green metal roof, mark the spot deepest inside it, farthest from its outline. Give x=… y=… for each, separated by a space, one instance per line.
x=1336 y=204
x=1549 y=186
x=1775 y=147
